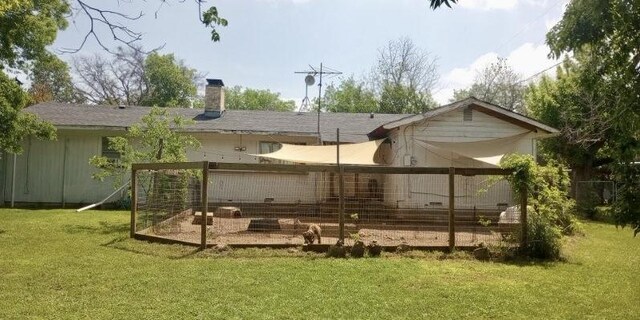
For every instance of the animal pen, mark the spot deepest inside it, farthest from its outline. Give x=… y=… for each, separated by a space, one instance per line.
x=271 y=205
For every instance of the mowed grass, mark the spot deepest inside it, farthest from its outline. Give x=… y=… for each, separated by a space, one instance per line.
x=58 y=264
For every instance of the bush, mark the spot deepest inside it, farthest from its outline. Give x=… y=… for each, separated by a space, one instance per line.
x=553 y=212
x=544 y=239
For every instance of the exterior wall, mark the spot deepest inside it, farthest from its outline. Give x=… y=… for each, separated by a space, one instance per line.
x=430 y=190
x=57 y=171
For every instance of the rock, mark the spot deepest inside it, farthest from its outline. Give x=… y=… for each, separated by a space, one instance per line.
x=222 y=247
x=357 y=250
x=374 y=249
x=337 y=251
x=482 y=253
x=403 y=247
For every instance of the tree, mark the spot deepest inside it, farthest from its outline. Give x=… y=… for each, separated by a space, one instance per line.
x=499 y=84
x=51 y=81
x=239 y=98
x=350 y=96
x=157 y=138
x=15 y=125
x=404 y=74
x=170 y=82
x=133 y=78
x=607 y=36
x=27 y=28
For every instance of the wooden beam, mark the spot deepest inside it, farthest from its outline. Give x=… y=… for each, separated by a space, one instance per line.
x=523 y=216
x=452 y=203
x=134 y=202
x=205 y=204
x=167 y=166
x=504 y=117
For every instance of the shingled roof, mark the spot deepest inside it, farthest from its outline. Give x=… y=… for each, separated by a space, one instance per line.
x=354 y=127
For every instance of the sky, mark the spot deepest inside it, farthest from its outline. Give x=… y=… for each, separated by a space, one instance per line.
x=266 y=41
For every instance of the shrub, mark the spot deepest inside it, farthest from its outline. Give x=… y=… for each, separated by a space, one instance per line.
x=553 y=212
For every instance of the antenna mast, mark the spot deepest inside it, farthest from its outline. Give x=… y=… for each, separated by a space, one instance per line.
x=310 y=80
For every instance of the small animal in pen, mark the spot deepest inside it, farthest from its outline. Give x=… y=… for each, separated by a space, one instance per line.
x=311 y=234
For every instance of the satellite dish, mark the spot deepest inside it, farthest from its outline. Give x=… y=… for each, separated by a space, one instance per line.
x=309 y=80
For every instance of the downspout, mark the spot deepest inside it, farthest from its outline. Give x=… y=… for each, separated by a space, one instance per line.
x=64 y=171
x=13 y=180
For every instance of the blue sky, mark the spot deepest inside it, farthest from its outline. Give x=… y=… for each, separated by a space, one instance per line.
x=267 y=40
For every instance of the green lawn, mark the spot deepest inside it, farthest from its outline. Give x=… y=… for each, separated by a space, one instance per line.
x=62 y=264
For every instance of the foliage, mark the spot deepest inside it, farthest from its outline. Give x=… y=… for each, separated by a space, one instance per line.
x=350 y=96
x=155 y=139
x=15 y=124
x=626 y=208
x=435 y=4
x=170 y=83
x=552 y=211
x=51 y=81
x=239 y=98
x=132 y=78
x=27 y=28
x=605 y=36
x=497 y=83
x=404 y=77
x=403 y=99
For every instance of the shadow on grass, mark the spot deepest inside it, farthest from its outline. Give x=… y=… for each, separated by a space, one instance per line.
x=173 y=252
x=2 y=231
x=102 y=228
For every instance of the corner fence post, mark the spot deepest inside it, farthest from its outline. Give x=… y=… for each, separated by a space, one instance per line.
x=452 y=203
x=523 y=216
x=134 y=202
x=205 y=204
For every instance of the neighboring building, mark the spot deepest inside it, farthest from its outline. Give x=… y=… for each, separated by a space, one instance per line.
x=468 y=133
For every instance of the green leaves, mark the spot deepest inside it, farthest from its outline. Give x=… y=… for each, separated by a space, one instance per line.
x=157 y=138
x=435 y=4
x=239 y=98
x=210 y=18
x=15 y=124
x=28 y=27
x=169 y=82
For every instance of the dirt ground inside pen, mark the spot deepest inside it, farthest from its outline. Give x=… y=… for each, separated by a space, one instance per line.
x=236 y=231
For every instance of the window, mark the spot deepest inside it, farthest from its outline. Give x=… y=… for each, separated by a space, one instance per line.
x=268 y=147
x=467 y=114
x=109 y=152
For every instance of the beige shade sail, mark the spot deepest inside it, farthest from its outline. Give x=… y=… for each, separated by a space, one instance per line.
x=356 y=153
x=487 y=151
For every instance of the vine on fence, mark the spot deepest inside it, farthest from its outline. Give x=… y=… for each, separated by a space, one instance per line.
x=551 y=211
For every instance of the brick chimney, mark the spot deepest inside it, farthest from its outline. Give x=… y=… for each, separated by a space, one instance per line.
x=214 y=98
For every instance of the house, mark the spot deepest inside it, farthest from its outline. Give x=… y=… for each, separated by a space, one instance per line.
x=468 y=133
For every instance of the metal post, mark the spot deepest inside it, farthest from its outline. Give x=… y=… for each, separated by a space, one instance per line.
x=341 y=186
x=523 y=216
x=452 y=203
x=134 y=202
x=205 y=204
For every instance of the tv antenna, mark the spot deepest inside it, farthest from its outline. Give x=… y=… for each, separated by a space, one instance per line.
x=305 y=106
x=309 y=80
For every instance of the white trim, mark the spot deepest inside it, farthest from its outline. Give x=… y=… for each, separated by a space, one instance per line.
x=463 y=103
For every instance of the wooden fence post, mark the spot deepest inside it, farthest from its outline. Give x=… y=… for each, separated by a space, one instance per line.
x=134 y=202
x=205 y=204
x=341 y=191
x=523 y=216
x=452 y=203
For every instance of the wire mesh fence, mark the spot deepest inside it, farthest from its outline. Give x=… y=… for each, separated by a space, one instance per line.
x=290 y=205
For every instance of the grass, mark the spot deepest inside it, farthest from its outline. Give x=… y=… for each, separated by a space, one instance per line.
x=58 y=264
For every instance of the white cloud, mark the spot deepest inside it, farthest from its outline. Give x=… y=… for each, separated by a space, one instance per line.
x=528 y=59
x=488 y=4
